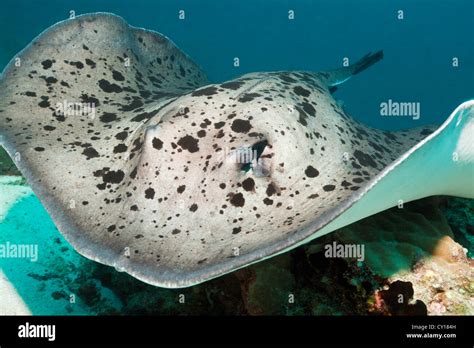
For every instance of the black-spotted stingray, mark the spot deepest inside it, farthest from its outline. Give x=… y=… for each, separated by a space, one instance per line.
x=158 y=180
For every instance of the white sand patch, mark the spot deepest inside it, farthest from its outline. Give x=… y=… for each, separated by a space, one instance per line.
x=11 y=302
x=11 y=191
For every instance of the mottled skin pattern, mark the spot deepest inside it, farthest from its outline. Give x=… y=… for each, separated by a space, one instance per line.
x=149 y=173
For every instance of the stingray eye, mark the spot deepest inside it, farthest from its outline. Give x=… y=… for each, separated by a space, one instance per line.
x=252 y=160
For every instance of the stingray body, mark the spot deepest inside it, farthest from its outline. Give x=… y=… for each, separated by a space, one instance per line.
x=177 y=181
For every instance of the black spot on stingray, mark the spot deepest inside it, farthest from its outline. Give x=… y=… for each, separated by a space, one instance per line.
x=182 y=72
x=234 y=85
x=49 y=128
x=108 y=117
x=311 y=172
x=30 y=94
x=286 y=78
x=59 y=118
x=345 y=184
x=157 y=143
x=111 y=228
x=241 y=126
x=87 y=99
x=376 y=147
x=108 y=87
x=134 y=207
x=189 y=143
x=176 y=231
x=149 y=193
x=133 y=174
x=39 y=148
x=248 y=184
x=121 y=136
x=90 y=152
x=65 y=84
x=113 y=177
x=358 y=180
x=271 y=190
x=117 y=76
x=218 y=125
x=364 y=159
x=302 y=116
x=181 y=188
x=301 y=91
x=236 y=230
x=47 y=64
x=135 y=104
x=145 y=115
x=328 y=188
x=44 y=103
x=309 y=109
x=91 y=63
x=237 y=200
x=137 y=145
x=120 y=148
x=49 y=80
x=222 y=185
x=390 y=135
x=314 y=195
x=78 y=65
x=193 y=207
x=205 y=91
x=248 y=97
x=201 y=133
x=268 y=201
x=426 y=131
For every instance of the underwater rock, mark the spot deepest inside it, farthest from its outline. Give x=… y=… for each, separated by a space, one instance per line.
x=460 y=214
x=395 y=300
x=415 y=244
x=445 y=281
x=89 y=293
x=268 y=287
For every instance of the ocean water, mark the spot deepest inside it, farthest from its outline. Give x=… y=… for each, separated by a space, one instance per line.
x=417 y=67
x=419 y=49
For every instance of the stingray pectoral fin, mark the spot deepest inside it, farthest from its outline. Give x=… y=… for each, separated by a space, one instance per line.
x=338 y=76
x=440 y=164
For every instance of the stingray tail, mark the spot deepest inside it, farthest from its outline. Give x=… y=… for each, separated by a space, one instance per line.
x=338 y=76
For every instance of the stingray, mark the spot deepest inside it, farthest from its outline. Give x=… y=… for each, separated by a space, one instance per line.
x=146 y=166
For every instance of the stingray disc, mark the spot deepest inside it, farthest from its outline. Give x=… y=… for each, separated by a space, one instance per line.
x=145 y=166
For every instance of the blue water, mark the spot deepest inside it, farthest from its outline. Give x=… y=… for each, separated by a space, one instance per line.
x=418 y=49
